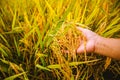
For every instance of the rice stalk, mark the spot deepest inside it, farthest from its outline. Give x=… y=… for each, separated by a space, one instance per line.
x=38 y=39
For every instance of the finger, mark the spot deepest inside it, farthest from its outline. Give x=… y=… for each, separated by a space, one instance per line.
x=90 y=46
x=81 y=29
x=80 y=49
x=85 y=31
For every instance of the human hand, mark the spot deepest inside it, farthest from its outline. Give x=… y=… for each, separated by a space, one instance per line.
x=91 y=40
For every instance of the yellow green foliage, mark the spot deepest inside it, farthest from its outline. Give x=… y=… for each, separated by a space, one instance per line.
x=38 y=38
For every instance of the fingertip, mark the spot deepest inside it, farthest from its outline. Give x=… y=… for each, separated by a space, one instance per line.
x=80 y=49
x=80 y=28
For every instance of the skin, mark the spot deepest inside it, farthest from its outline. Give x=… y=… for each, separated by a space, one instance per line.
x=104 y=46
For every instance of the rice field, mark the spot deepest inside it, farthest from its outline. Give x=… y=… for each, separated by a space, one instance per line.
x=39 y=39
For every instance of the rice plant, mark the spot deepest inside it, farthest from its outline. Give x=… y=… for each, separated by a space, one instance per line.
x=38 y=39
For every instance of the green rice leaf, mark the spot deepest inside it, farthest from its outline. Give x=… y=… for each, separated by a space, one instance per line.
x=14 y=19
x=14 y=76
x=71 y=64
x=42 y=67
